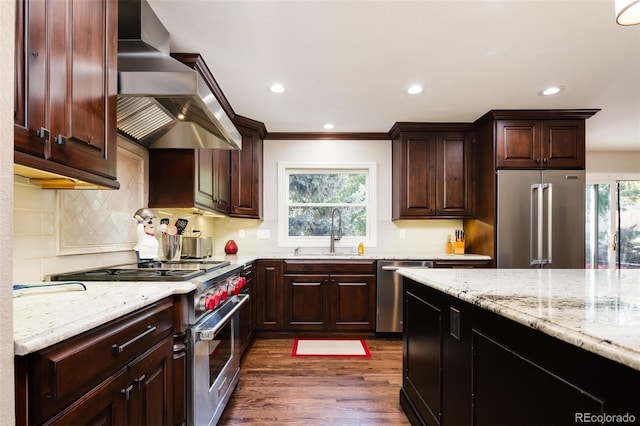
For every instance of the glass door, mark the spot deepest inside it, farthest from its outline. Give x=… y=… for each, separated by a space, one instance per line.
x=628 y=225
x=612 y=224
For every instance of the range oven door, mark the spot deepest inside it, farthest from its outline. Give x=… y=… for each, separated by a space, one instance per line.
x=215 y=362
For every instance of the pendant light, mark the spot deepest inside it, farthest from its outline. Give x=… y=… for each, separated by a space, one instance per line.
x=628 y=12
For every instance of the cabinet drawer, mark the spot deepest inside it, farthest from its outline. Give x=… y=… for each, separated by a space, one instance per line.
x=330 y=267
x=65 y=371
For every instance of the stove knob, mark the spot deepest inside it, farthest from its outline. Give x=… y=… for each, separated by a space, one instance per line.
x=242 y=281
x=224 y=293
x=210 y=302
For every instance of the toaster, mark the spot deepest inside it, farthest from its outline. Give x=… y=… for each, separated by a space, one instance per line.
x=196 y=247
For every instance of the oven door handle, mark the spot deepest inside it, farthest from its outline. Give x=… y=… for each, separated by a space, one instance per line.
x=205 y=332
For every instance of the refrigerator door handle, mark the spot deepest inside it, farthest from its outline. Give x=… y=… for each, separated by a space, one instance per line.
x=535 y=248
x=549 y=188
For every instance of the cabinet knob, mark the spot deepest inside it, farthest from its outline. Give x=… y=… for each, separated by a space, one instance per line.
x=544 y=160
x=43 y=134
x=34 y=54
x=537 y=160
x=140 y=381
x=60 y=140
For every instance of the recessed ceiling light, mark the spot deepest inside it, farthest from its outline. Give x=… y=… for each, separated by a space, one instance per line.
x=551 y=90
x=276 y=88
x=180 y=116
x=414 y=89
x=328 y=126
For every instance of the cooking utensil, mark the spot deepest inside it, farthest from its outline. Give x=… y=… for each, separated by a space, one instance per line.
x=181 y=225
x=172 y=230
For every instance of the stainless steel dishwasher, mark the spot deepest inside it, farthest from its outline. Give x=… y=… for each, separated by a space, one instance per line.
x=389 y=293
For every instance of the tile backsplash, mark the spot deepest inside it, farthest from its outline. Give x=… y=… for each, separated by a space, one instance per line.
x=62 y=230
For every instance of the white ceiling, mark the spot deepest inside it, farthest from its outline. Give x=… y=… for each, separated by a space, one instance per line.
x=350 y=62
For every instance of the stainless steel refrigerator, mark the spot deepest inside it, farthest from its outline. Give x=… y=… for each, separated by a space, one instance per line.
x=540 y=219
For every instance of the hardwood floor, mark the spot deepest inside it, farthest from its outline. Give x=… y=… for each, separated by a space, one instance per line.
x=277 y=388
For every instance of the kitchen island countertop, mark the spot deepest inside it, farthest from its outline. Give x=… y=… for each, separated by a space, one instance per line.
x=45 y=316
x=597 y=310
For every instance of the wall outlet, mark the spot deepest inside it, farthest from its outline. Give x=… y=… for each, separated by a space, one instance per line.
x=402 y=234
x=264 y=234
x=241 y=233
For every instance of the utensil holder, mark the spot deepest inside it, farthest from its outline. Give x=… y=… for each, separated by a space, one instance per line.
x=171 y=247
x=458 y=247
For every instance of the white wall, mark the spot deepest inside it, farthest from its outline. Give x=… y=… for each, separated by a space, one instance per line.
x=602 y=165
x=7 y=19
x=422 y=236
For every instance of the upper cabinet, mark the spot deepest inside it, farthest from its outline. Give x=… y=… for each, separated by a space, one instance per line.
x=189 y=178
x=539 y=139
x=65 y=90
x=246 y=170
x=431 y=170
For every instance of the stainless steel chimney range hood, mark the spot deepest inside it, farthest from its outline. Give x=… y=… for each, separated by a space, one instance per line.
x=163 y=103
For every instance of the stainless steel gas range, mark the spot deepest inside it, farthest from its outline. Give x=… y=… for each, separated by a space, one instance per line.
x=213 y=334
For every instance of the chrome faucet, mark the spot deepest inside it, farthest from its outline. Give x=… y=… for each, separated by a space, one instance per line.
x=333 y=237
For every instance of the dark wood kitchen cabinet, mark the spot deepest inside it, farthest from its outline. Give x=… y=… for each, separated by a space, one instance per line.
x=552 y=144
x=329 y=296
x=431 y=171
x=121 y=373
x=181 y=178
x=65 y=92
x=248 y=311
x=270 y=295
x=246 y=170
x=465 y=365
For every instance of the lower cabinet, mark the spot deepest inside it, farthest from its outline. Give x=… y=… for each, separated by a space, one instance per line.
x=311 y=295
x=127 y=372
x=465 y=365
x=329 y=296
x=248 y=311
x=138 y=394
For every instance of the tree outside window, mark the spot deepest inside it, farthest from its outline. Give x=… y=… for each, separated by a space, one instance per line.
x=312 y=193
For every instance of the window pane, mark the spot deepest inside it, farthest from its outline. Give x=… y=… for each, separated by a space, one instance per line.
x=629 y=246
x=327 y=188
x=316 y=221
x=604 y=225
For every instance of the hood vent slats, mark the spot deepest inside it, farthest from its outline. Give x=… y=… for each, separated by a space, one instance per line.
x=140 y=117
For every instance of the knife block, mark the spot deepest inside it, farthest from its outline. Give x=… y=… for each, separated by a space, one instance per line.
x=458 y=247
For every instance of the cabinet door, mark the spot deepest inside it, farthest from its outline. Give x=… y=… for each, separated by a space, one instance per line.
x=306 y=302
x=518 y=144
x=205 y=195
x=151 y=398
x=221 y=180
x=453 y=174
x=507 y=385
x=103 y=405
x=246 y=176
x=353 y=300
x=422 y=356
x=270 y=290
x=563 y=144
x=414 y=175
x=31 y=60
x=81 y=97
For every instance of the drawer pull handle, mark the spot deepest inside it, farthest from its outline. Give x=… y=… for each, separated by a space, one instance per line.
x=140 y=381
x=116 y=349
x=126 y=392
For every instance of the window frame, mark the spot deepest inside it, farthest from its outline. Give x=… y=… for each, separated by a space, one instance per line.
x=286 y=168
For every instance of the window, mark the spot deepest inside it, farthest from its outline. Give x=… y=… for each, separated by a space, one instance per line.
x=613 y=224
x=313 y=196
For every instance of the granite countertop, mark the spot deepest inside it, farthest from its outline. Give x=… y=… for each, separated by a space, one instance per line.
x=45 y=316
x=597 y=310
